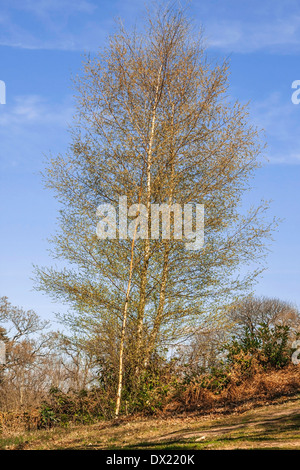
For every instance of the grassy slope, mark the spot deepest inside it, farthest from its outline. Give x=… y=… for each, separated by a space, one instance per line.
x=276 y=426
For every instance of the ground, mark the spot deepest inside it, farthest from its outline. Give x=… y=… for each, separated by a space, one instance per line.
x=273 y=426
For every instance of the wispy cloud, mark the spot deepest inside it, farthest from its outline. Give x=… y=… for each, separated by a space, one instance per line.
x=31 y=109
x=235 y=26
x=44 y=24
x=31 y=127
x=239 y=36
x=83 y=25
x=280 y=120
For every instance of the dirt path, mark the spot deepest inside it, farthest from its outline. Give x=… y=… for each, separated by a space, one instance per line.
x=278 y=417
x=275 y=426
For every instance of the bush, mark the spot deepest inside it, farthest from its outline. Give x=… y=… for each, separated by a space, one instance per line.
x=268 y=345
x=149 y=392
x=82 y=407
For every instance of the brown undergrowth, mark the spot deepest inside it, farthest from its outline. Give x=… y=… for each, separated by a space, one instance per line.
x=241 y=391
x=260 y=388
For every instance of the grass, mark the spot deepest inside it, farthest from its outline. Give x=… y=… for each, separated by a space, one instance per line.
x=275 y=426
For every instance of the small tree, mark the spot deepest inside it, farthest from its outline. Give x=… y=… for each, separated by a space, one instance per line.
x=27 y=356
x=269 y=346
x=252 y=312
x=265 y=328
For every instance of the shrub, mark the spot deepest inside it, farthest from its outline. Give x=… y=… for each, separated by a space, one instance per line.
x=268 y=345
x=75 y=407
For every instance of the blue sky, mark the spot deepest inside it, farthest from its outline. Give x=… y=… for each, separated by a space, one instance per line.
x=42 y=43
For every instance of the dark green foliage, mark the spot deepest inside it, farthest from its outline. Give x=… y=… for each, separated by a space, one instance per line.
x=150 y=391
x=269 y=345
x=265 y=348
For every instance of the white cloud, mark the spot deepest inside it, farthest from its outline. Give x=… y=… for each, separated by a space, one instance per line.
x=55 y=24
x=82 y=25
x=280 y=120
x=235 y=26
x=32 y=127
x=34 y=109
x=242 y=36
